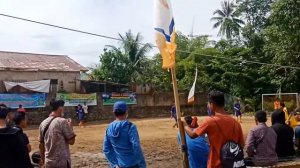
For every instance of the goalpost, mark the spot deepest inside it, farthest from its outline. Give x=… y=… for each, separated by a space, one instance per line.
x=291 y=100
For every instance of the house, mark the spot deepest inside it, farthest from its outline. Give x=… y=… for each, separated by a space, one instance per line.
x=63 y=72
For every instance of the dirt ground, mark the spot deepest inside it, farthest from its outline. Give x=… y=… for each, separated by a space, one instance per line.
x=158 y=140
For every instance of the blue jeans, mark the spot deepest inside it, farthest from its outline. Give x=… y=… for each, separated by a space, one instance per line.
x=297 y=132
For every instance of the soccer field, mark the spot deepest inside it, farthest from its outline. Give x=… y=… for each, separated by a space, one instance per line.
x=158 y=138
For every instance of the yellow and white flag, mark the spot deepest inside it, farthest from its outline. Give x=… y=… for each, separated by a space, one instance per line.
x=191 y=97
x=165 y=31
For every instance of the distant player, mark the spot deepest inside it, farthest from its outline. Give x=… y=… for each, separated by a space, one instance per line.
x=80 y=113
x=277 y=103
x=237 y=110
x=21 y=109
x=174 y=115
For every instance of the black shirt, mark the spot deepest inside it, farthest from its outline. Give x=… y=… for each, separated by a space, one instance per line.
x=25 y=137
x=13 y=152
x=285 y=144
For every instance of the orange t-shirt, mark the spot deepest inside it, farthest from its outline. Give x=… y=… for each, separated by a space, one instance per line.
x=276 y=105
x=229 y=127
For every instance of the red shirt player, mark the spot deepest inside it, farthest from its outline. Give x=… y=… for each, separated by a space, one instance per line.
x=21 y=109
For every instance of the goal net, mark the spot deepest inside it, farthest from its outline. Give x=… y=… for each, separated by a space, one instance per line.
x=290 y=100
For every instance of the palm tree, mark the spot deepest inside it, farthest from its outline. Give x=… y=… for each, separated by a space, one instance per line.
x=227 y=19
x=133 y=47
x=133 y=51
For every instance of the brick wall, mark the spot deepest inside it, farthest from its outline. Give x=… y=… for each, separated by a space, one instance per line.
x=156 y=105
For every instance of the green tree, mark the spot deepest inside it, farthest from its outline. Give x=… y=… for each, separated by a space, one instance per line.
x=255 y=12
x=283 y=43
x=113 y=67
x=125 y=63
x=154 y=76
x=132 y=48
x=227 y=20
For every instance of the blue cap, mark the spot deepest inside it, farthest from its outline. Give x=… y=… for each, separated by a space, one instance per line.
x=120 y=105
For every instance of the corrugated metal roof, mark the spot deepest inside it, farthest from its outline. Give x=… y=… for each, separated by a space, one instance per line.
x=37 y=62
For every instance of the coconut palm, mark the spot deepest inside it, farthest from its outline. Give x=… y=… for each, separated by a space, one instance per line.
x=133 y=51
x=227 y=19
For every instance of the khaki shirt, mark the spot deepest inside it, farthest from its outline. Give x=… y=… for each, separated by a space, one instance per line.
x=57 y=152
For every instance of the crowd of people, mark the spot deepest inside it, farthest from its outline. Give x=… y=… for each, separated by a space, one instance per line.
x=55 y=135
x=218 y=141
x=207 y=141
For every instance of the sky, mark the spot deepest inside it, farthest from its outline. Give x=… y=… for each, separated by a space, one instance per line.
x=105 y=17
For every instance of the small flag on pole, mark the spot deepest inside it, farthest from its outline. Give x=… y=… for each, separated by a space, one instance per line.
x=165 y=32
x=191 y=97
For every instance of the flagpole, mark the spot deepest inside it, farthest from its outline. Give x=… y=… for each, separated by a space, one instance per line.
x=180 y=124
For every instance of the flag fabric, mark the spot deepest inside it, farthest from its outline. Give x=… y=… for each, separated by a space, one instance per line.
x=165 y=31
x=191 y=97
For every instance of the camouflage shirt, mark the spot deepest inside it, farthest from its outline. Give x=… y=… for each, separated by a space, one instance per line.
x=57 y=152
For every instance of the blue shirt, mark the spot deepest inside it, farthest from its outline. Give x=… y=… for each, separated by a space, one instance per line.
x=121 y=145
x=198 y=151
x=237 y=107
x=80 y=111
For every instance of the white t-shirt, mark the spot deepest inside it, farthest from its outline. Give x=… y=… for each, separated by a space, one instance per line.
x=85 y=108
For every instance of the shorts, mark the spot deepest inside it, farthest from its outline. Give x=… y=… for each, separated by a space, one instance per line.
x=81 y=116
x=238 y=113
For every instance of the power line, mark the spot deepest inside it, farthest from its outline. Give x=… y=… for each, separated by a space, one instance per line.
x=119 y=39
x=240 y=60
x=60 y=27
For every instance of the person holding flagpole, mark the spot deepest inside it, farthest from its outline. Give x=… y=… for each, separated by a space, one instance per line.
x=165 y=39
x=220 y=128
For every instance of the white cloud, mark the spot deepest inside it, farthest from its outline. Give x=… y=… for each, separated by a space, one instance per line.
x=107 y=17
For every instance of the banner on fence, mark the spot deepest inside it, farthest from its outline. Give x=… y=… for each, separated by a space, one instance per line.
x=73 y=99
x=26 y=100
x=111 y=98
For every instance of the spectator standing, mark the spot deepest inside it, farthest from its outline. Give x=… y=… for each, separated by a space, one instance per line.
x=21 y=109
x=13 y=153
x=198 y=148
x=10 y=118
x=85 y=108
x=285 y=135
x=56 y=134
x=284 y=110
x=237 y=110
x=277 y=104
x=80 y=113
x=297 y=129
x=174 y=115
x=121 y=144
x=261 y=143
x=220 y=128
x=20 y=119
